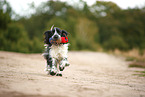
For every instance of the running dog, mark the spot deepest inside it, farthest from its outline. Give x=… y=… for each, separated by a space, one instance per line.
x=56 y=51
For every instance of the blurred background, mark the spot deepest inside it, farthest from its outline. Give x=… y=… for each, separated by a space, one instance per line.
x=96 y=26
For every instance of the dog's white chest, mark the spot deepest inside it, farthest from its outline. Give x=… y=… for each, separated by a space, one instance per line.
x=59 y=51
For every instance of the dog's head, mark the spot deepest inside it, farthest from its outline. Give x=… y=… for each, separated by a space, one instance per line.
x=55 y=34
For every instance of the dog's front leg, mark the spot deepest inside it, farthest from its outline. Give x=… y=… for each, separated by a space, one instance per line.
x=63 y=64
x=53 y=70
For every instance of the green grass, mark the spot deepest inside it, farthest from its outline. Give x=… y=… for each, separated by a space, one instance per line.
x=141 y=73
x=130 y=59
x=135 y=59
x=137 y=64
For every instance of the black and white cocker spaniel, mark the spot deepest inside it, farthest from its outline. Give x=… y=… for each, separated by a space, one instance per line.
x=56 y=50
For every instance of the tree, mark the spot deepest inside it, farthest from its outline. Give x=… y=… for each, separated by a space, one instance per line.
x=5 y=14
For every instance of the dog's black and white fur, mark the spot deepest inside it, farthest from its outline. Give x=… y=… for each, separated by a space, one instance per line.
x=56 y=54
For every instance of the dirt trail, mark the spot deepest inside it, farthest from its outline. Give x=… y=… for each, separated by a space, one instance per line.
x=91 y=74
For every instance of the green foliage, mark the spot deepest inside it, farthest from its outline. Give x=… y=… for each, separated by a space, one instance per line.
x=5 y=13
x=102 y=25
x=15 y=39
x=85 y=31
x=115 y=42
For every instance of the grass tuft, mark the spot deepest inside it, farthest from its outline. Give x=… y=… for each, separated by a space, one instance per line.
x=130 y=59
x=137 y=64
x=141 y=73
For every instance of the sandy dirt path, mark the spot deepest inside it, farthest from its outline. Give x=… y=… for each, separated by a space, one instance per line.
x=91 y=74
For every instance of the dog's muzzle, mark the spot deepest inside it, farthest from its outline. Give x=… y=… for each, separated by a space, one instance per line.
x=55 y=41
x=56 y=37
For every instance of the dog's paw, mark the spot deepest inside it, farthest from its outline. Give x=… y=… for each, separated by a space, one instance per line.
x=52 y=73
x=58 y=74
x=61 y=68
x=53 y=70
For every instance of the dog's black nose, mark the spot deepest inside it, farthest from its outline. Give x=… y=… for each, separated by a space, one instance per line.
x=55 y=36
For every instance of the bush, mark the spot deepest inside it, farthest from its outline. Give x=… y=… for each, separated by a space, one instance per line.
x=115 y=42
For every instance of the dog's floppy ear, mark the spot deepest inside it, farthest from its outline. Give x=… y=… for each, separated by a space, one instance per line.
x=64 y=33
x=47 y=34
